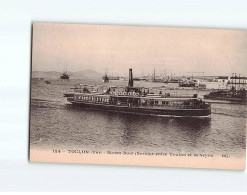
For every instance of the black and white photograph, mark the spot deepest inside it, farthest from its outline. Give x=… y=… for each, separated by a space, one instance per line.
x=123 y=96
x=136 y=95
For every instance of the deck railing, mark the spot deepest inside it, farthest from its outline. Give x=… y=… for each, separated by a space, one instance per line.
x=139 y=105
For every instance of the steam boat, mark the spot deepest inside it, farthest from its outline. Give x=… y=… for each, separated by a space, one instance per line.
x=105 y=79
x=137 y=100
x=65 y=75
x=187 y=84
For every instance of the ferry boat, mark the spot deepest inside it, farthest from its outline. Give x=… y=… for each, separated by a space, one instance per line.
x=137 y=100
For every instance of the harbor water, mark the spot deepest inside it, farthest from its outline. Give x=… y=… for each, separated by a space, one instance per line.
x=56 y=124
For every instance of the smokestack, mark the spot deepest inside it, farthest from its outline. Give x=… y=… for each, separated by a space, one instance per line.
x=131 y=82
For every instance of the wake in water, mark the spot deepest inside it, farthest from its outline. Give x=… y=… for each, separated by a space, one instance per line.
x=55 y=123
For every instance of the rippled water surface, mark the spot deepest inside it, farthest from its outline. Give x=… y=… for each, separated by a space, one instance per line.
x=55 y=124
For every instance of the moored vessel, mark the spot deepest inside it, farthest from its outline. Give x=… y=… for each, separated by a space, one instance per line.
x=105 y=78
x=65 y=75
x=237 y=92
x=227 y=95
x=187 y=84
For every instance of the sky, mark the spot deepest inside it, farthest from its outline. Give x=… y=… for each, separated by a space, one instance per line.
x=115 y=49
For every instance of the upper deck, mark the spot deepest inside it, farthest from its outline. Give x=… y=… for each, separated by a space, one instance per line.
x=153 y=102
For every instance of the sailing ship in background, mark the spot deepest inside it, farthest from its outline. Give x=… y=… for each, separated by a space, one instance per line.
x=65 y=75
x=182 y=82
x=105 y=78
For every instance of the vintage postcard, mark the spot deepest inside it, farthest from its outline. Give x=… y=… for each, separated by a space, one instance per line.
x=136 y=95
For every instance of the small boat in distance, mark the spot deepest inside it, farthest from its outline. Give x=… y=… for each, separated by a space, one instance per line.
x=105 y=78
x=65 y=75
x=136 y=100
x=187 y=84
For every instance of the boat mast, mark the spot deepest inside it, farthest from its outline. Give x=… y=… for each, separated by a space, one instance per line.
x=154 y=74
x=235 y=81
x=238 y=81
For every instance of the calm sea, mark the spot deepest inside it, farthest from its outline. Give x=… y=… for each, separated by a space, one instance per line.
x=55 y=124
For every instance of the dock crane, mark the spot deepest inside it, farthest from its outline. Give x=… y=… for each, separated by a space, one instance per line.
x=195 y=73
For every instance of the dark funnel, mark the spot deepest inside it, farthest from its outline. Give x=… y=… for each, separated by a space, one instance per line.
x=131 y=82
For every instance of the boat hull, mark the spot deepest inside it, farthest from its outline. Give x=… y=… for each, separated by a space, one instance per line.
x=226 y=99
x=143 y=110
x=187 y=85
